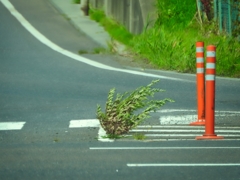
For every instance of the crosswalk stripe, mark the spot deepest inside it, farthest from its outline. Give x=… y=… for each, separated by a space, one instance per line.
x=164 y=148
x=184 y=127
x=186 y=135
x=84 y=123
x=161 y=132
x=181 y=130
x=11 y=125
x=181 y=165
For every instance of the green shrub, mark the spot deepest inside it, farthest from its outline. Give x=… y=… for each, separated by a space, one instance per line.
x=175 y=14
x=170 y=43
x=76 y=1
x=120 y=113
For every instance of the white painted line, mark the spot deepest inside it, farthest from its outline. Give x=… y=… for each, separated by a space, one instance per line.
x=84 y=123
x=76 y=57
x=158 y=148
x=171 y=135
x=186 y=119
x=187 y=126
x=187 y=135
x=179 y=119
x=102 y=134
x=166 y=130
x=11 y=125
x=181 y=130
x=191 y=110
x=175 y=110
x=181 y=165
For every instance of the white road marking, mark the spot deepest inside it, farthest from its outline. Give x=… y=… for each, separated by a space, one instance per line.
x=187 y=135
x=91 y=123
x=184 y=127
x=11 y=125
x=175 y=110
x=181 y=130
x=57 y=48
x=102 y=136
x=84 y=123
x=186 y=119
x=159 y=148
x=181 y=164
x=180 y=119
x=175 y=130
x=191 y=110
x=165 y=130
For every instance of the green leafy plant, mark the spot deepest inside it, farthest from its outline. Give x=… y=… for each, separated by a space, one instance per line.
x=76 y=1
x=120 y=113
x=139 y=136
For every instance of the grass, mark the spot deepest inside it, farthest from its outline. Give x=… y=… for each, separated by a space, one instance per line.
x=139 y=136
x=99 y=50
x=175 y=50
x=116 y=31
x=170 y=45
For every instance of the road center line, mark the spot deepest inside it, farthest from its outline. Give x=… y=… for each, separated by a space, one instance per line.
x=183 y=164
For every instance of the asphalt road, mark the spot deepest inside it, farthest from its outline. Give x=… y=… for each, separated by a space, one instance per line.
x=46 y=90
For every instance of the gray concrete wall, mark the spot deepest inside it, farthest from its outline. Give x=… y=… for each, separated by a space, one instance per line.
x=133 y=14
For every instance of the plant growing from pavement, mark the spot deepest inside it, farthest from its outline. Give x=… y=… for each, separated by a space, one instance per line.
x=76 y=1
x=120 y=113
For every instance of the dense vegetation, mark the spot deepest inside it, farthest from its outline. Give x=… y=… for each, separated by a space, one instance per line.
x=170 y=43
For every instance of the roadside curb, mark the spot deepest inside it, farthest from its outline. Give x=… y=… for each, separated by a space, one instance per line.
x=83 y=23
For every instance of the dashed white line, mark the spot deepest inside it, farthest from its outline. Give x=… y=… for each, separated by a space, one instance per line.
x=11 y=125
x=159 y=148
x=84 y=123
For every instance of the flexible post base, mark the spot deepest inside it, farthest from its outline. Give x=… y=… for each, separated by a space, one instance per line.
x=198 y=123
x=209 y=137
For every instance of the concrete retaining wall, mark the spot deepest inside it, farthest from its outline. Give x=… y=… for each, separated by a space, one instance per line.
x=133 y=14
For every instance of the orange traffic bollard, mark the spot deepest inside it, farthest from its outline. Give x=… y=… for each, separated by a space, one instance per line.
x=200 y=85
x=210 y=96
